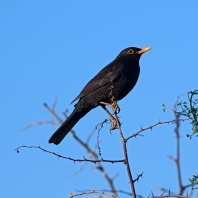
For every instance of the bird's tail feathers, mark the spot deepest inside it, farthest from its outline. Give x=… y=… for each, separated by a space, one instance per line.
x=64 y=129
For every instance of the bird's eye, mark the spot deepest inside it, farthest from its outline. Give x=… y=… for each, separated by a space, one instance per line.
x=130 y=51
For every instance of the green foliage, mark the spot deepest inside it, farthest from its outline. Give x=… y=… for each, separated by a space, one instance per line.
x=164 y=107
x=194 y=182
x=190 y=110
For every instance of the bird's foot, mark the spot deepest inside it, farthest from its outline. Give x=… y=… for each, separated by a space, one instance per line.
x=116 y=110
x=114 y=124
x=113 y=101
x=113 y=105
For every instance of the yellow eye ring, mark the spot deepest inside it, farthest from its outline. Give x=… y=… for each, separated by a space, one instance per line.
x=130 y=51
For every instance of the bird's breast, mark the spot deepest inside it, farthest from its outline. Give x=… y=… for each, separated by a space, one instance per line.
x=126 y=82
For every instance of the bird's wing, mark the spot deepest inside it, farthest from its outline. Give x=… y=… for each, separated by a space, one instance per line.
x=108 y=74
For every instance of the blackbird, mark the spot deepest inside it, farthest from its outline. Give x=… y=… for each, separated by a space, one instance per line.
x=116 y=79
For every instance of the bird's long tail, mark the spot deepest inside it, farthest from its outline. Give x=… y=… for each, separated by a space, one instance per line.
x=64 y=129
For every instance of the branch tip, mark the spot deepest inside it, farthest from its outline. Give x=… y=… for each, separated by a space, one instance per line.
x=45 y=104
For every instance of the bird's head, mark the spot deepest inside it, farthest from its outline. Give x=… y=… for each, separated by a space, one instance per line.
x=132 y=53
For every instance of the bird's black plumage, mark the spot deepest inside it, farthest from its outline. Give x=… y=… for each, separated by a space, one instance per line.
x=121 y=74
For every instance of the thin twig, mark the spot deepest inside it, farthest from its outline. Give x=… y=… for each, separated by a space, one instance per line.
x=138 y=177
x=91 y=192
x=52 y=111
x=117 y=191
x=90 y=136
x=99 y=127
x=95 y=156
x=41 y=122
x=168 y=195
x=177 y=122
x=152 y=126
x=69 y=158
x=177 y=160
x=54 y=104
x=164 y=189
x=86 y=147
x=76 y=172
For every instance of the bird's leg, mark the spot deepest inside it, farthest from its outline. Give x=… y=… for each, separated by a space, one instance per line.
x=113 y=120
x=116 y=109
x=114 y=124
x=113 y=105
x=104 y=107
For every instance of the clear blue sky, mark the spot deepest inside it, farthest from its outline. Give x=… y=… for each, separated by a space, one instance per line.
x=53 y=48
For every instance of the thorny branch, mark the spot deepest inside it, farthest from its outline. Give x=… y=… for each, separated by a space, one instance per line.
x=182 y=188
x=126 y=156
x=91 y=192
x=99 y=127
x=69 y=158
x=123 y=192
x=138 y=177
x=85 y=145
x=177 y=122
x=82 y=167
x=125 y=160
x=152 y=126
x=95 y=157
x=169 y=195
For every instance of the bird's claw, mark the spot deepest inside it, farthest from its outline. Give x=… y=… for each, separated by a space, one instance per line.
x=114 y=124
x=115 y=107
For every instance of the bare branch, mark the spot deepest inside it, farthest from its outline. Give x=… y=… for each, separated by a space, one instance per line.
x=84 y=145
x=152 y=126
x=177 y=122
x=69 y=158
x=168 y=195
x=90 y=135
x=54 y=104
x=126 y=156
x=120 y=191
x=52 y=111
x=91 y=192
x=41 y=122
x=164 y=189
x=99 y=127
x=76 y=172
x=177 y=160
x=138 y=177
x=95 y=156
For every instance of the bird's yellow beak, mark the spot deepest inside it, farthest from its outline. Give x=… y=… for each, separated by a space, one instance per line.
x=145 y=49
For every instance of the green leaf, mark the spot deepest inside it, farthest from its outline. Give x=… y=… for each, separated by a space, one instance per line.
x=190 y=180
x=164 y=107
